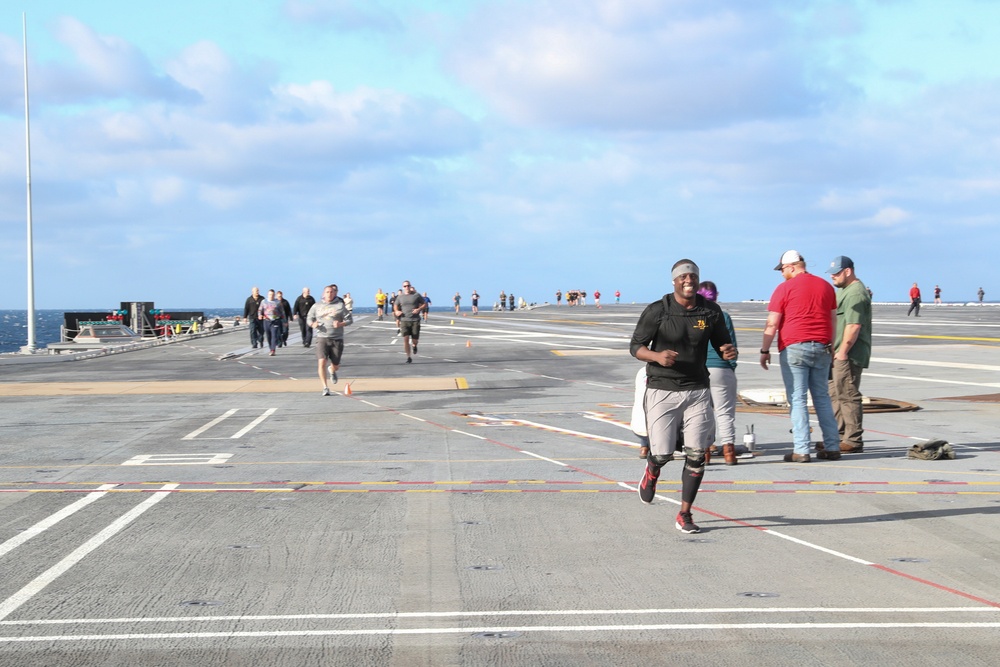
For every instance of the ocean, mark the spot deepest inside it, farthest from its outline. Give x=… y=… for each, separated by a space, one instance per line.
x=14 y=323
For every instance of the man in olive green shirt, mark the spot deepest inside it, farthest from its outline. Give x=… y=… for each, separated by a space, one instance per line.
x=852 y=350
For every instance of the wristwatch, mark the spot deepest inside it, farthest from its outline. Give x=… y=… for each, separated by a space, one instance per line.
x=765 y=351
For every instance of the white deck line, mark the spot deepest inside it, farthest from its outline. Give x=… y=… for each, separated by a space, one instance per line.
x=8 y=606
x=45 y=524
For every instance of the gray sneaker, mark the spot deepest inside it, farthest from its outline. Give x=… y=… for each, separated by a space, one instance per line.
x=326 y=391
x=333 y=376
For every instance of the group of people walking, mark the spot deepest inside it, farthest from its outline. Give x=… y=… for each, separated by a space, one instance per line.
x=688 y=399
x=321 y=322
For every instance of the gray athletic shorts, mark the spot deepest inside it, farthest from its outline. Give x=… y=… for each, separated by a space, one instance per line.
x=669 y=411
x=330 y=348
x=411 y=329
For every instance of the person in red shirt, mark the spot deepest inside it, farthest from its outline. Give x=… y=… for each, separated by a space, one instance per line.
x=802 y=312
x=914 y=300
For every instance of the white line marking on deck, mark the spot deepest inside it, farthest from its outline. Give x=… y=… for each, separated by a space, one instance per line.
x=413 y=418
x=254 y=423
x=177 y=459
x=509 y=612
x=44 y=524
x=937 y=364
x=544 y=458
x=471 y=435
x=817 y=547
x=41 y=581
x=685 y=627
x=194 y=434
x=933 y=380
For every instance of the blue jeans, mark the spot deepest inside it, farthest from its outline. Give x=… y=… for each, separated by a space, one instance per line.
x=805 y=367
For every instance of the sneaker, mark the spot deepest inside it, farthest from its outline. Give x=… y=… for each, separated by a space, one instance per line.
x=333 y=376
x=414 y=348
x=409 y=361
x=647 y=487
x=685 y=523
x=797 y=458
x=326 y=391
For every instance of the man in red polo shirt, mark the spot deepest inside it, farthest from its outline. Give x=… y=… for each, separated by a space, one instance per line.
x=802 y=312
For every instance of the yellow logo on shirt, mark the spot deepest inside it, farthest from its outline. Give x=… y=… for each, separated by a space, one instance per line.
x=701 y=326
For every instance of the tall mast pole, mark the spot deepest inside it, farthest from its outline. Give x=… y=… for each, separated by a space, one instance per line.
x=30 y=347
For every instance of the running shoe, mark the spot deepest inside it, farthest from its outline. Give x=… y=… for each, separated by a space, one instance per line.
x=409 y=360
x=326 y=391
x=333 y=376
x=647 y=487
x=414 y=348
x=685 y=523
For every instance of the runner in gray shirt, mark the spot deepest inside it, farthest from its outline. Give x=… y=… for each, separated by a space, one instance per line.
x=328 y=319
x=407 y=309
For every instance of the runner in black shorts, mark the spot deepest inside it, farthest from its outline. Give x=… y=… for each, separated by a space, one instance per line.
x=407 y=309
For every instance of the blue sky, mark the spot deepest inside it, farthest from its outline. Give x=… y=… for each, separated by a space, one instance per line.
x=183 y=152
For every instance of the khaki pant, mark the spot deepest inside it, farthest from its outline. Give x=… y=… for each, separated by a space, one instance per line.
x=845 y=394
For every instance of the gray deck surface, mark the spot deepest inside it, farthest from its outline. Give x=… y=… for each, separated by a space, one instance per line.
x=478 y=507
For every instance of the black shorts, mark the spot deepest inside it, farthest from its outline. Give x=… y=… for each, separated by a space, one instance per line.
x=330 y=348
x=411 y=329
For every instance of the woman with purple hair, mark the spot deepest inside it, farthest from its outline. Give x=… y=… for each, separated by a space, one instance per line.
x=723 y=374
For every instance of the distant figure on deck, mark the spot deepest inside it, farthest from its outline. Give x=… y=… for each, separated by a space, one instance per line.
x=250 y=309
x=286 y=317
x=503 y=299
x=380 y=301
x=349 y=302
x=475 y=302
x=457 y=300
x=981 y=294
x=427 y=305
x=914 y=300
x=618 y=296
x=510 y=301
x=558 y=297
x=216 y=325
x=300 y=311
x=937 y=294
x=597 y=298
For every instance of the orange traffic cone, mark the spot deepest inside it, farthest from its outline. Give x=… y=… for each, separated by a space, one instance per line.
x=468 y=343
x=348 y=391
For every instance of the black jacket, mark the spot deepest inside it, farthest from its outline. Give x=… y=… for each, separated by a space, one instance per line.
x=251 y=307
x=666 y=325
x=302 y=305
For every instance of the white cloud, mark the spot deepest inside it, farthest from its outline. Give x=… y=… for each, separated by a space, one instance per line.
x=617 y=65
x=105 y=67
x=889 y=216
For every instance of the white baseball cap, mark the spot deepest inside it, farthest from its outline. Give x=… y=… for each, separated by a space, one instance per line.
x=790 y=257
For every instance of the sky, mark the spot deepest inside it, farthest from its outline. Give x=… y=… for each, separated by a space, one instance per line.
x=184 y=152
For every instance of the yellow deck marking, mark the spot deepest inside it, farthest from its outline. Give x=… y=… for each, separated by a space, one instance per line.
x=226 y=386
